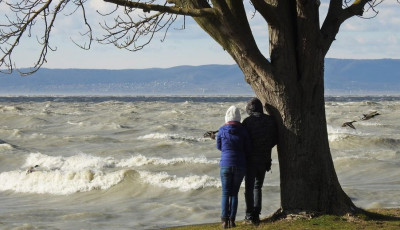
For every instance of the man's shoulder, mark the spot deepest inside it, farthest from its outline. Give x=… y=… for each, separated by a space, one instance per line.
x=259 y=116
x=255 y=121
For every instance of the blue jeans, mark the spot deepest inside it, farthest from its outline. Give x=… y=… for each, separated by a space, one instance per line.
x=253 y=188
x=231 y=178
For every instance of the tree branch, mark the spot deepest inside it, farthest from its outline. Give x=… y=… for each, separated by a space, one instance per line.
x=21 y=25
x=29 y=16
x=267 y=11
x=89 y=31
x=357 y=8
x=165 y=9
x=335 y=18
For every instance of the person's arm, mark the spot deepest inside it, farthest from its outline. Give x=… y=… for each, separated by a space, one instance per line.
x=219 y=140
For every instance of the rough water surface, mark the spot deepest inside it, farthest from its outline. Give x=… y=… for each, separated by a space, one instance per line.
x=143 y=163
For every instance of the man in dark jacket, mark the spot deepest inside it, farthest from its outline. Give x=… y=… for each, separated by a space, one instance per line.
x=263 y=133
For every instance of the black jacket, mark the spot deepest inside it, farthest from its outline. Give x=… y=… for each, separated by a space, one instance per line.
x=262 y=130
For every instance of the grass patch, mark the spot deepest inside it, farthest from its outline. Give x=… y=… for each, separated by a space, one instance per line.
x=387 y=219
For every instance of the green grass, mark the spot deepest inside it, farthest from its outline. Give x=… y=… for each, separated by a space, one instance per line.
x=374 y=219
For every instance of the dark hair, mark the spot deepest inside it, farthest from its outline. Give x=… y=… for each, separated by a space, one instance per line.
x=254 y=105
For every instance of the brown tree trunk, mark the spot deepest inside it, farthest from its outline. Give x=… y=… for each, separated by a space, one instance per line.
x=291 y=84
x=308 y=179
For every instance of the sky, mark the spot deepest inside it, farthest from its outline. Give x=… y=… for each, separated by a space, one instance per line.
x=358 y=38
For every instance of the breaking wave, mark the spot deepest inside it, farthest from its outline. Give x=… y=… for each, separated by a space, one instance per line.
x=192 y=182
x=60 y=175
x=174 y=137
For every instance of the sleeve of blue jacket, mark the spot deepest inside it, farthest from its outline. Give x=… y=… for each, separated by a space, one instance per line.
x=218 y=141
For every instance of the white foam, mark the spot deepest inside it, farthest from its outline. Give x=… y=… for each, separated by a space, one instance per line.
x=371 y=123
x=58 y=182
x=16 y=133
x=336 y=133
x=140 y=160
x=75 y=123
x=60 y=175
x=192 y=182
x=168 y=136
x=5 y=146
x=37 y=136
x=73 y=163
x=4 y=108
x=340 y=133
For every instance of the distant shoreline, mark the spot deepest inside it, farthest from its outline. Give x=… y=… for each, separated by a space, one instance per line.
x=376 y=94
x=341 y=77
x=174 y=98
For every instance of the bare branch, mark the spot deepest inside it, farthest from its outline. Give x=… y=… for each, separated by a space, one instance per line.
x=89 y=32
x=127 y=29
x=17 y=28
x=35 y=15
x=337 y=15
x=165 y=9
x=128 y=33
x=371 y=7
x=45 y=39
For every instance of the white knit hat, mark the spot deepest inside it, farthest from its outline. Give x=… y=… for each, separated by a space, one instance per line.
x=232 y=114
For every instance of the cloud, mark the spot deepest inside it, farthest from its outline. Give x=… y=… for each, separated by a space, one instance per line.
x=393 y=39
x=366 y=45
x=377 y=37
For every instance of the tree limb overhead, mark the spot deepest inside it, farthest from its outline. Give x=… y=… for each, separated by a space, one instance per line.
x=165 y=9
x=336 y=16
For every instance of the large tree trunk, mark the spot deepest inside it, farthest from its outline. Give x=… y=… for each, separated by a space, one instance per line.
x=308 y=179
x=291 y=86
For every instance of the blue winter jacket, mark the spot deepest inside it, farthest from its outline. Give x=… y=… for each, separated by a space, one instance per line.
x=233 y=142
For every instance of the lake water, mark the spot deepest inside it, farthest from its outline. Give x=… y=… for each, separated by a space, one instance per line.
x=142 y=162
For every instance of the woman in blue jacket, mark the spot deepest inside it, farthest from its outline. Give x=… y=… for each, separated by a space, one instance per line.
x=233 y=142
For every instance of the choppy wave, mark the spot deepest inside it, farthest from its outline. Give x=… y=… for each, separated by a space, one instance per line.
x=140 y=160
x=339 y=133
x=73 y=163
x=168 y=136
x=356 y=141
x=84 y=161
x=60 y=175
x=5 y=146
x=98 y=126
x=378 y=141
x=14 y=133
x=192 y=182
x=7 y=108
x=360 y=138
x=58 y=182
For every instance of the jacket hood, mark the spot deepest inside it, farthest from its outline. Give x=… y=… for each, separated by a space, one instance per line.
x=254 y=105
x=232 y=114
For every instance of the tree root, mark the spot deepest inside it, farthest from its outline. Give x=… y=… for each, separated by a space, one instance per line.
x=280 y=214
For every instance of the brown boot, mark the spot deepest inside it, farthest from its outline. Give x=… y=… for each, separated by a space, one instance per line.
x=225 y=222
x=232 y=222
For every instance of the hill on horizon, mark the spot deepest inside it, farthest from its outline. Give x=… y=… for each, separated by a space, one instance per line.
x=342 y=76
